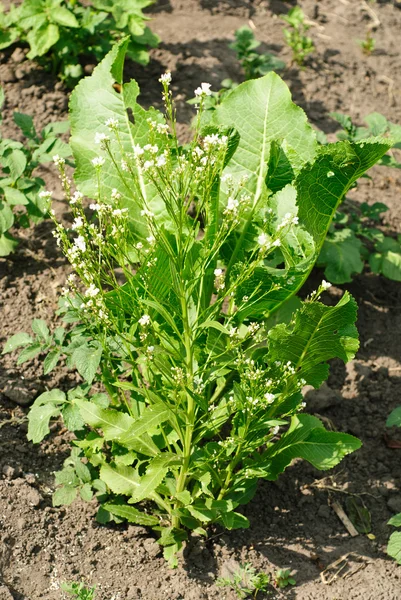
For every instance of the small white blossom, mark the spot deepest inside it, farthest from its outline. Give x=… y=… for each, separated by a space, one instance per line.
x=101 y=138
x=218 y=272
x=148 y=164
x=144 y=320
x=203 y=90
x=276 y=430
x=98 y=161
x=115 y=194
x=165 y=78
x=138 y=151
x=147 y=213
x=326 y=285
x=45 y=194
x=92 y=291
x=76 y=197
x=162 y=128
x=95 y=206
x=276 y=243
x=124 y=165
x=58 y=160
x=151 y=239
x=161 y=161
x=78 y=222
x=232 y=205
x=269 y=397
x=112 y=123
x=263 y=239
x=80 y=243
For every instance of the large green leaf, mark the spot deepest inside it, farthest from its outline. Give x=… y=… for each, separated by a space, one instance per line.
x=92 y=103
x=306 y=438
x=394 y=418
x=387 y=259
x=120 y=479
x=317 y=334
x=131 y=514
x=394 y=546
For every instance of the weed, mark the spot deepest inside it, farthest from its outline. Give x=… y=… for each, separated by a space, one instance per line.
x=295 y=35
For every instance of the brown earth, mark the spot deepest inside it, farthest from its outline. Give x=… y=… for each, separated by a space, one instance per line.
x=292 y=524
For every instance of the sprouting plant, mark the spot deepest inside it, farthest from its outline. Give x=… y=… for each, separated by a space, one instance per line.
x=64 y=35
x=245 y=581
x=394 y=543
x=295 y=35
x=22 y=196
x=178 y=262
x=368 y=44
x=79 y=591
x=254 y=64
x=354 y=238
x=282 y=578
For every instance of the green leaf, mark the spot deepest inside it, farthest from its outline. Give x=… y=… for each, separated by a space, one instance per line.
x=394 y=418
x=63 y=16
x=86 y=492
x=318 y=334
x=29 y=352
x=17 y=340
x=6 y=217
x=114 y=423
x=41 y=39
x=387 y=259
x=72 y=417
x=120 y=479
x=92 y=103
x=14 y=160
x=86 y=358
x=394 y=546
x=395 y=521
x=306 y=438
x=155 y=473
x=341 y=255
x=51 y=360
x=233 y=520
x=25 y=123
x=7 y=244
x=40 y=328
x=14 y=196
x=64 y=496
x=38 y=421
x=131 y=514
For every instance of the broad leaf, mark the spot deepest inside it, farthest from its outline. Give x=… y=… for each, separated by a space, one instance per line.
x=394 y=546
x=131 y=514
x=341 y=256
x=394 y=418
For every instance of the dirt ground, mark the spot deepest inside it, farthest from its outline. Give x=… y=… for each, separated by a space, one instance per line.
x=292 y=522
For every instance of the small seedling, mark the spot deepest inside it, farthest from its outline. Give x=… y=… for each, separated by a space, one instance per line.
x=282 y=578
x=394 y=543
x=246 y=581
x=368 y=44
x=254 y=64
x=295 y=35
x=79 y=591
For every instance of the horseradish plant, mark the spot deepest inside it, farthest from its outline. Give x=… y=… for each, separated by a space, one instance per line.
x=178 y=262
x=23 y=199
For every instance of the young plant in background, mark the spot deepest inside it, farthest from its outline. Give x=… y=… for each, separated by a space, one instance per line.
x=394 y=543
x=63 y=35
x=282 y=578
x=79 y=591
x=22 y=196
x=182 y=257
x=245 y=581
x=354 y=239
x=295 y=35
x=368 y=44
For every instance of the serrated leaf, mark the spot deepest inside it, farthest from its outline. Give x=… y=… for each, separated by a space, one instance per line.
x=120 y=479
x=387 y=259
x=17 y=340
x=113 y=423
x=319 y=333
x=86 y=492
x=40 y=328
x=72 y=417
x=233 y=520
x=51 y=360
x=395 y=521
x=306 y=438
x=25 y=123
x=14 y=196
x=63 y=16
x=38 y=421
x=29 y=352
x=7 y=244
x=131 y=514
x=6 y=217
x=86 y=358
x=64 y=496
x=41 y=39
x=155 y=473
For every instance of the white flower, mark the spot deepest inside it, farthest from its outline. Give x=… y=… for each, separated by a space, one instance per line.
x=295 y=220
x=101 y=138
x=165 y=78
x=226 y=178
x=232 y=331
x=138 y=151
x=147 y=213
x=232 y=204
x=115 y=194
x=76 y=197
x=144 y=320
x=95 y=206
x=98 y=161
x=151 y=240
x=161 y=161
x=139 y=246
x=162 y=128
x=277 y=243
x=80 y=243
x=45 y=194
x=92 y=291
x=124 y=165
x=78 y=222
x=276 y=430
x=263 y=239
x=218 y=272
x=150 y=349
x=111 y=123
x=269 y=397
x=203 y=90
x=148 y=164
x=326 y=285
x=58 y=160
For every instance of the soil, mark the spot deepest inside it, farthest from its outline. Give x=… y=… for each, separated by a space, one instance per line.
x=292 y=522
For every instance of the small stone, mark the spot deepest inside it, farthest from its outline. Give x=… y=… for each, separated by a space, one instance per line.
x=30 y=478
x=152 y=548
x=33 y=497
x=394 y=504
x=8 y=471
x=18 y=55
x=7 y=74
x=19 y=394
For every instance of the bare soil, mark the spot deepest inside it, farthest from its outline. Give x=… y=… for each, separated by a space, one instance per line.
x=292 y=522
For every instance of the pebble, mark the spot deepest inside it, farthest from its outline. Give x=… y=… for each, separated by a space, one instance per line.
x=394 y=504
x=18 y=55
x=33 y=497
x=7 y=75
x=152 y=548
x=8 y=471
